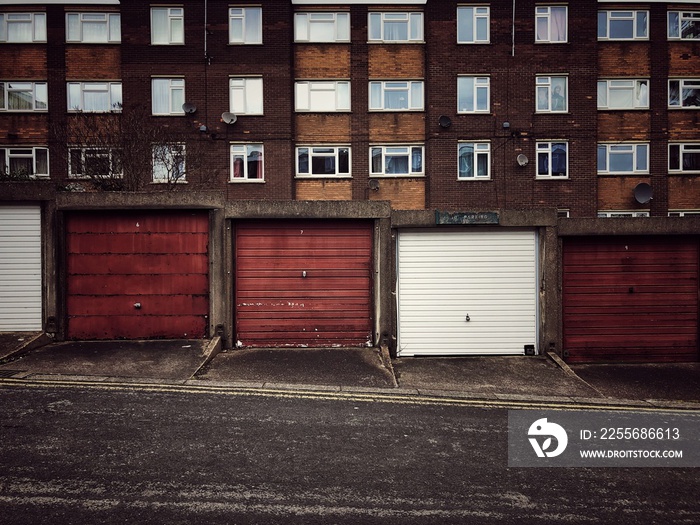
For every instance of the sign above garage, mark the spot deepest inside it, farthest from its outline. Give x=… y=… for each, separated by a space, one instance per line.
x=470 y=217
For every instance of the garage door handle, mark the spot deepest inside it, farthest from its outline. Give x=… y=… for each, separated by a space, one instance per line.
x=303 y=274
x=468 y=318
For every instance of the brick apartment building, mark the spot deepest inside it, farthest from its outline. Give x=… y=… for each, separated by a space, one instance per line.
x=443 y=177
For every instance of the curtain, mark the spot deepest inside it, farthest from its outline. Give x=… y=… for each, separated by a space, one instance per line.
x=255 y=163
x=466 y=161
x=161 y=97
x=558 y=24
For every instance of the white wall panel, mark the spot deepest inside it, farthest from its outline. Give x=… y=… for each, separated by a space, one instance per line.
x=446 y=275
x=20 y=269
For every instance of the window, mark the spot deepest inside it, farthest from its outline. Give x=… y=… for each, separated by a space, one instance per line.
x=684 y=93
x=473 y=94
x=623 y=158
x=24 y=162
x=94 y=163
x=322 y=27
x=247 y=162
x=168 y=96
x=683 y=213
x=245 y=25
x=169 y=163
x=623 y=25
x=551 y=24
x=323 y=161
x=474 y=161
x=322 y=96
x=167 y=25
x=622 y=214
x=93 y=28
x=396 y=160
x=684 y=25
x=552 y=94
x=473 y=25
x=22 y=27
x=552 y=160
x=246 y=96
x=684 y=158
x=623 y=94
x=395 y=27
x=23 y=96
x=98 y=97
x=396 y=96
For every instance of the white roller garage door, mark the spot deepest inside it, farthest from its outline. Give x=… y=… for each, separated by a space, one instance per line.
x=20 y=268
x=467 y=293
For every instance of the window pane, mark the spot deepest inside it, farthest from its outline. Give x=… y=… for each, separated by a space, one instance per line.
x=73 y=27
x=465 y=24
x=691 y=96
x=159 y=26
x=674 y=93
x=642 y=163
x=621 y=28
x=674 y=157
x=161 y=96
x=602 y=158
x=558 y=94
x=466 y=160
x=641 y=24
x=343 y=26
x=620 y=161
x=344 y=160
x=465 y=93
x=253 y=20
x=178 y=30
x=482 y=165
x=375 y=95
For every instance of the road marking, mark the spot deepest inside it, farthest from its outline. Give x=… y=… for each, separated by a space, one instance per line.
x=370 y=397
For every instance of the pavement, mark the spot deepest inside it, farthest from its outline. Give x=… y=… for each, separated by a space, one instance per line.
x=518 y=379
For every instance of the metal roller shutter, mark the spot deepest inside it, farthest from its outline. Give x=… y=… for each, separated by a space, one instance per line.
x=630 y=299
x=303 y=283
x=20 y=269
x=467 y=293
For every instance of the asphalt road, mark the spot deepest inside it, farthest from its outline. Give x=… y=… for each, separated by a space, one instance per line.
x=77 y=454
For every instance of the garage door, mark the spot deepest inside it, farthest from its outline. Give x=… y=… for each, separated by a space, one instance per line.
x=303 y=284
x=20 y=269
x=137 y=275
x=630 y=299
x=467 y=293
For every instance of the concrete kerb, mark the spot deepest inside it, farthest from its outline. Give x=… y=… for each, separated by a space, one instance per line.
x=39 y=340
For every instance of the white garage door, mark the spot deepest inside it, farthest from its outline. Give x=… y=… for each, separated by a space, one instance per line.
x=20 y=268
x=467 y=293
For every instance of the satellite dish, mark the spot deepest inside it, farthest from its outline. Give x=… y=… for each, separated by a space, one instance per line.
x=643 y=193
x=444 y=121
x=522 y=160
x=229 y=118
x=188 y=107
x=373 y=184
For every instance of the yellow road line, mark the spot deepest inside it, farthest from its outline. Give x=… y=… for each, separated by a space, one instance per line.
x=375 y=397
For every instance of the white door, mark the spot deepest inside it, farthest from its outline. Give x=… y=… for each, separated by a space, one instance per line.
x=466 y=293
x=20 y=268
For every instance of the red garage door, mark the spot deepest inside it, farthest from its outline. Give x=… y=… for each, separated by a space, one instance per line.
x=631 y=299
x=137 y=275
x=303 y=283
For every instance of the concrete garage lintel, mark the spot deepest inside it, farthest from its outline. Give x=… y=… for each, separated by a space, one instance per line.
x=638 y=226
x=141 y=200
x=308 y=209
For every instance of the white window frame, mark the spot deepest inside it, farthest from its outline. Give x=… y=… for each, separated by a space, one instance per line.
x=675 y=24
x=622 y=214
x=607 y=18
x=478 y=85
x=306 y=102
x=109 y=34
x=480 y=150
x=398 y=150
x=548 y=149
x=163 y=174
x=378 y=26
x=250 y=28
x=242 y=151
x=113 y=90
x=34 y=90
x=637 y=86
x=174 y=33
x=111 y=154
x=7 y=153
x=379 y=90
x=478 y=16
x=683 y=213
x=547 y=85
x=323 y=151
x=639 y=153
x=36 y=20
x=692 y=148
x=246 y=95
x=174 y=86
x=338 y=23
x=544 y=13
x=684 y=84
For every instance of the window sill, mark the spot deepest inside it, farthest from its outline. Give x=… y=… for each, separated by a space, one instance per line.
x=474 y=179
x=397 y=176
x=246 y=181
x=168 y=182
x=540 y=177
x=323 y=177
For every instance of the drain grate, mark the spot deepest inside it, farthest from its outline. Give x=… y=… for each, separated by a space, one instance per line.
x=9 y=373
